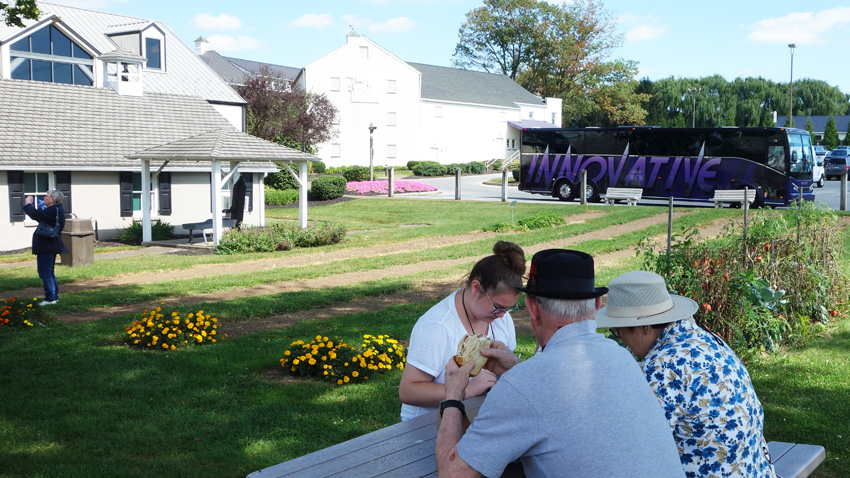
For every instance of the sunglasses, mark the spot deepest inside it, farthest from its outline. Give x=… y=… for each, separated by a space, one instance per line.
x=500 y=310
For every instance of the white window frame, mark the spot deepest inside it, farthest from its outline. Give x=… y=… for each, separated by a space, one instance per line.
x=137 y=213
x=51 y=184
x=335 y=150
x=335 y=83
x=335 y=119
x=391 y=118
x=391 y=151
x=391 y=87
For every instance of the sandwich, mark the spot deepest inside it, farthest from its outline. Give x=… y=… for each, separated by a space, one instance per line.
x=469 y=350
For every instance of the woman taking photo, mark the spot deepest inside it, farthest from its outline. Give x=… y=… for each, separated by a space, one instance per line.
x=46 y=248
x=482 y=307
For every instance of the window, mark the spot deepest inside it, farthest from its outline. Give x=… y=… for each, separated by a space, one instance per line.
x=335 y=83
x=335 y=150
x=49 y=55
x=553 y=117
x=391 y=151
x=364 y=52
x=36 y=184
x=153 y=52
x=391 y=119
x=137 y=194
x=531 y=115
x=335 y=119
x=391 y=87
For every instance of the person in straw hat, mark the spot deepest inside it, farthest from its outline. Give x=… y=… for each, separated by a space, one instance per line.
x=580 y=407
x=706 y=392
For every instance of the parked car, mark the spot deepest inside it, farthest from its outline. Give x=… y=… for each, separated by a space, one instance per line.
x=821 y=151
x=837 y=163
x=844 y=147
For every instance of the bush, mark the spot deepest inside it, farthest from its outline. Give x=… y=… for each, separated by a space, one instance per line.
x=474 y=167
x=276 y=197
x=332 y=360
x=412 y=164
x=356 y=173
x=776 y=287
x=160 y=231
x=451 y=169
x=325 y=188
x=278 y=237
x=538 y=221
x=428 y=168
x=282 y=179
x=163 y=331
x=318 y=167
x=21 y=313
x=515 y=173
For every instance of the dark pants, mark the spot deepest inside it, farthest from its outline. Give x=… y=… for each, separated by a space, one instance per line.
x=46 y=261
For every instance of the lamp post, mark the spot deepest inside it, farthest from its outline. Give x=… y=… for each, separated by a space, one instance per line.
x=372 y=129
x=694 y=118
x=791 y=87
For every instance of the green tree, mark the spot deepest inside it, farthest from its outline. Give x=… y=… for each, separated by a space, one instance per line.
x=830 y=134
x=17 y=11
x=810 y=127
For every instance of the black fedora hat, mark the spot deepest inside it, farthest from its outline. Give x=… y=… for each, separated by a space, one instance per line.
x=562 y=274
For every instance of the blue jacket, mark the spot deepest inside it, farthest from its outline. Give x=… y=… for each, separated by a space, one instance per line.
x=45 y=244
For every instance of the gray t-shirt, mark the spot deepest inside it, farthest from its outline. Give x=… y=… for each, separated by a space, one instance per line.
x=581 y=407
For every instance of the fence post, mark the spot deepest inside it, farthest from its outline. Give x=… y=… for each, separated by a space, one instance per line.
x=746 y=210
x=391 y=181
x=583 y=188
x=669 y=229
x=504 y=185
x=457 y=184
x=843 y=203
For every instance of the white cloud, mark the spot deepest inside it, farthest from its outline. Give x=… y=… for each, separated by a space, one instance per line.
x=223 y=21
x=319 y=21
x=393 y=25
x=641 y=27
x=808 y=28
x=224 y=43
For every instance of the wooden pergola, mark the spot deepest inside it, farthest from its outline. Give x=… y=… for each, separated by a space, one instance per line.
x=221 y=146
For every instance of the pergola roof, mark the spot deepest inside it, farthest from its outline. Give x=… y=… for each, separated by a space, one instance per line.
x=225 y=145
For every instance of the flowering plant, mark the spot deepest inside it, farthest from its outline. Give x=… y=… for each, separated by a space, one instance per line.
x=381 y=187
x=159 y=330
x=16 y=312
x=333 y=360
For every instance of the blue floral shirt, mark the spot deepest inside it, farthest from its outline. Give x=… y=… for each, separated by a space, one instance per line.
x=710 y=402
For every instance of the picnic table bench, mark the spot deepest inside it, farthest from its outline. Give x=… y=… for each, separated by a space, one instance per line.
x=733 y=196
x=404 y=449
x=630 y=195
x=205 y=226
x=793 y=460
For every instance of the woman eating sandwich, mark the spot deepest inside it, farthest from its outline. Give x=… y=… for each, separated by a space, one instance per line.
x=481 y=308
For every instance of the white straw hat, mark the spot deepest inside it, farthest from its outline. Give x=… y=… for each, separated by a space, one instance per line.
x=641 y=298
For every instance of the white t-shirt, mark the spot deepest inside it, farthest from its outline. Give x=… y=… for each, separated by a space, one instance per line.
x=434 y=340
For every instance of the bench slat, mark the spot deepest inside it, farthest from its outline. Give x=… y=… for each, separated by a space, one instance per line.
x=631 y=195
x=795 y=460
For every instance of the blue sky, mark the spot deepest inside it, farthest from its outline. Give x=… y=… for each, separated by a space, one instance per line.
x=667 y=38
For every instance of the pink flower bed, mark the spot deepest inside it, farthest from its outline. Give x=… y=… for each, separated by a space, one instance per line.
x=380 y=187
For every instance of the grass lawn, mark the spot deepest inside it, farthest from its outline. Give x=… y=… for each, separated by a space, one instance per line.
x=75 y=401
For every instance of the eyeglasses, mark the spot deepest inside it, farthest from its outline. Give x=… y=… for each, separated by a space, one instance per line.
x=615 y=332
x=500 y=310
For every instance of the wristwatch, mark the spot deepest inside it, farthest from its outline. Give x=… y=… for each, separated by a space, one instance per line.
x=452 y=403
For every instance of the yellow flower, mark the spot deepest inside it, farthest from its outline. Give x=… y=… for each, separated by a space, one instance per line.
x=286 y=353
x=296 y=362
x=345 y=379
x=354 y=374
x=165 y=346
x=339 y=382
x=312 y=361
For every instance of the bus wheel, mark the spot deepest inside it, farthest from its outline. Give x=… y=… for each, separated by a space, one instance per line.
x=591 y=192
x=564 y=190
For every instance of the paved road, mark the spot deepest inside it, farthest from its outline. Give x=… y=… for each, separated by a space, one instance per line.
x=474 y=189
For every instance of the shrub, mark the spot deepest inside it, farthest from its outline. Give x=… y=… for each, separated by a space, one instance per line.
x=538 y=221
x=515 y=173
x=160 y=231
x=276 y=197
x=451 y=169
x=317 y=167
x=428 y=168
x=325 y=188
x=21 y=313
x=356 y=173
x=474 y=167
x=321 y=234
x=412 y=164
x=162 y=331
x=774 y=287
x=282 y=179
x=332 y=360
x=278 y=237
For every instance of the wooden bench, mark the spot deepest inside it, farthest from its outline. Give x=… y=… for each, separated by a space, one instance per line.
x=206 y=226
x=792 y=460
x=630 y=195
x=733 y=196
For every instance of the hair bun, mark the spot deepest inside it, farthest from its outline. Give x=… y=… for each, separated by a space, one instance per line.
x=511 y=255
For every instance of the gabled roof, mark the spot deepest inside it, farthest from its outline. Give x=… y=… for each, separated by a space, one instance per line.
x=224 y=68
x=185 y=73
x=532 y=124
x=223 y=144
x=46 y=126
x=473 y=87
x=818 y=122
x=254 y=67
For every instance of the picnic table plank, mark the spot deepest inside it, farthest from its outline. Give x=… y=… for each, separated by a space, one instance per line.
x=795 y=460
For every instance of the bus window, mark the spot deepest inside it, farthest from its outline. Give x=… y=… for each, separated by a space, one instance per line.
x=776 y=157
x=808 y=155
x=795 y=141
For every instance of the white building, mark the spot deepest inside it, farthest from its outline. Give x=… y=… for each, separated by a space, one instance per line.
x=82 y=90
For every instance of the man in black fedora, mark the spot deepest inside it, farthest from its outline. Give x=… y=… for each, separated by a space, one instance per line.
x=579 y=407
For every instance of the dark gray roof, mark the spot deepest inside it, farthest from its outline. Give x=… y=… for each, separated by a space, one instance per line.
x=51 y=125
x=818 y=122
x=223 y=144
x=227 y=70
x=475 y=87
x=532 y=124
x=254 y=67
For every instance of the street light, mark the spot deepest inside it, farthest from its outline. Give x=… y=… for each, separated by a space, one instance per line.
x=694 y=119
x=372 y=129
x=791 y=86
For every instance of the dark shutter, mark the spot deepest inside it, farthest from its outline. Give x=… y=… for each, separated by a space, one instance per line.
x=126 y=181
x=249 y=189
x=63 y=184
x=164 y=194
x=16 y=195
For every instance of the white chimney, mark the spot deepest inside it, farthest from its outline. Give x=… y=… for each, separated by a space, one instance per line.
x=201 y=45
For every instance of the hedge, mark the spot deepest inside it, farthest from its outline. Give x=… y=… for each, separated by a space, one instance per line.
x=325 y=188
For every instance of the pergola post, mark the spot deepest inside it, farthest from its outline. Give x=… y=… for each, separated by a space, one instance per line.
x=302 y=194
x=216 y=201
x=146 y=201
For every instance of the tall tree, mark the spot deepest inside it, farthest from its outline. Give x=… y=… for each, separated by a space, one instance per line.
x=810 y=127
x=17 y=11
x=284 y=113
x=830 y=134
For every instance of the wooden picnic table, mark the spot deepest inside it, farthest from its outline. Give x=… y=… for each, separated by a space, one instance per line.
x=404 y=449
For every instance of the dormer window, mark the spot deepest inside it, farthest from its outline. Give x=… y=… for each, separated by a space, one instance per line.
x=49 y=55
x=153 y=52
x=144 y=39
